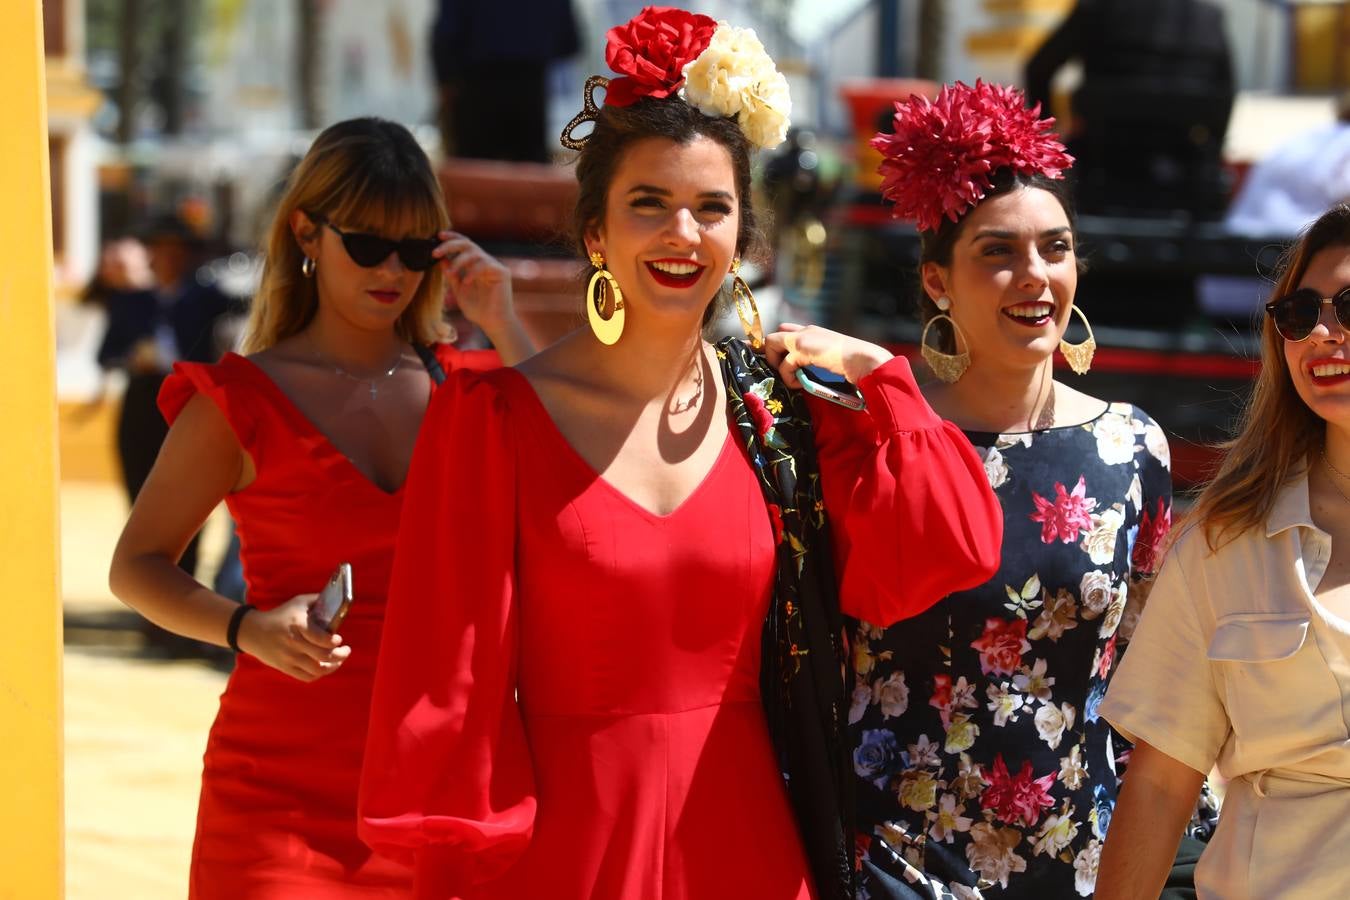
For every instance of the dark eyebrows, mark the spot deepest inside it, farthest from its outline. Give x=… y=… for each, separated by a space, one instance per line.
x=662 y=192
x=1010 y=236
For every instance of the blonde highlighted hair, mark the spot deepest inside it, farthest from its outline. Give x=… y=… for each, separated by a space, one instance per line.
x=1277 y=430
x=365 y=175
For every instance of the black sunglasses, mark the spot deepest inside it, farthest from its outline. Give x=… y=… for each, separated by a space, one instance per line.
x=369 y=250
x=1295 y=315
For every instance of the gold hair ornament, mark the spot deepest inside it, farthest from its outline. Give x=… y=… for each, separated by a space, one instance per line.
x=590 y=111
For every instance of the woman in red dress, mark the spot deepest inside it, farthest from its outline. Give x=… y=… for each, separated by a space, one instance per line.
x=572 y=696
x=307 y=440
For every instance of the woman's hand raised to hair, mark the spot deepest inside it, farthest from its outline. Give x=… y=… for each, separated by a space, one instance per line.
x=284 y=639
x=480 y=283
x=481 y=286
x=794 y=346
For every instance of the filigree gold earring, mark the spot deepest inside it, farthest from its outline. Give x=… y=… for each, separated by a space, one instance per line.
x=947 y=366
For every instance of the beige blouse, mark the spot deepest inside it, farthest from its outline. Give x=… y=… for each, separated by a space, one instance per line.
x=1236 y=663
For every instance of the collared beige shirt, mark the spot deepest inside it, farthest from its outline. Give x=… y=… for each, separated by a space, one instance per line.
x=1235 y=662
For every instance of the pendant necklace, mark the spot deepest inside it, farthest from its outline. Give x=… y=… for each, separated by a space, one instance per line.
x=1338 y=473
x=372 y=382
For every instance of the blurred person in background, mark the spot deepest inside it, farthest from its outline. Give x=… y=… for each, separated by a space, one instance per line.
x=491 y=60
x=1297 y=182
x=1150 y=115
x=1242 y=657
x=307 y=440
x=161 y=307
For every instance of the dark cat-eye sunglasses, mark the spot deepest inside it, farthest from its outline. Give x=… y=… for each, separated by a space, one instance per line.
x=369 y=250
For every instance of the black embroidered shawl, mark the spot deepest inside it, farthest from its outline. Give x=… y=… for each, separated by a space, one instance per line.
x=802 y=672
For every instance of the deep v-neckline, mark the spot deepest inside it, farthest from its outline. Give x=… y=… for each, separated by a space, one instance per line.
x=317 y=439
x=550 y=426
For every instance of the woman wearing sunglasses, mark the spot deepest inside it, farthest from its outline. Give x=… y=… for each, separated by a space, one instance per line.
x=307 y=440
x=1242 y=657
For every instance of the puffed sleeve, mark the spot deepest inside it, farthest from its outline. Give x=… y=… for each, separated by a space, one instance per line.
x=452 y=359
x=227 y=385
x=911 y=510
x=447 y=782
x=1164 y=690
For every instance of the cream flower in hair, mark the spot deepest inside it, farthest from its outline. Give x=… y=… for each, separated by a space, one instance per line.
x=736 y=77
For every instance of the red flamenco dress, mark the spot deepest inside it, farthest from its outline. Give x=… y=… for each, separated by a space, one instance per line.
x=568 y=704
x=277 y=814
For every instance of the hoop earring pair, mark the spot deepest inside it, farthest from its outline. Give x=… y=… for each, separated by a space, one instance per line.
x=947 y=366
x=746 y=308
x=951 y=366
x=609 y=329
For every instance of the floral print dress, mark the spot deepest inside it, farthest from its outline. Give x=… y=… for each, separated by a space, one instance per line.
x=979 y=753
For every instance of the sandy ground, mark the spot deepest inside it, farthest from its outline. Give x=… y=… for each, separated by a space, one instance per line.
x=135 y=726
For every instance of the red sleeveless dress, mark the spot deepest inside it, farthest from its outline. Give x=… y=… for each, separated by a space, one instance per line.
x=277 y=814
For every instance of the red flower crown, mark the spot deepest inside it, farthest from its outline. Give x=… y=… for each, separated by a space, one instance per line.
x=939 y=160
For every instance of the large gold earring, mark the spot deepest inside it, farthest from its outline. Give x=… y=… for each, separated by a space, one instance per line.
x=607 y=330
x=1079 y=356
x=947 y=366
x=746 y=309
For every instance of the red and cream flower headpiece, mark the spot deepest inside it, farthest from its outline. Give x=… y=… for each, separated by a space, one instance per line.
x=940 y=159
x=719 y=70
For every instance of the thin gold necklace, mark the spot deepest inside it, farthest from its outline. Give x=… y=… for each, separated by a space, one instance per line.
x=1338 y=473
x=374 y=382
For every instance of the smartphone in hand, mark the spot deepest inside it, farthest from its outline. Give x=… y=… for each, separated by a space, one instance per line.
x=328 y=611
x=826 y=385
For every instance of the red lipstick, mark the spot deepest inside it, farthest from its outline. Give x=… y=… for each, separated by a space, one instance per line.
x=386 y=297
x=666 y=279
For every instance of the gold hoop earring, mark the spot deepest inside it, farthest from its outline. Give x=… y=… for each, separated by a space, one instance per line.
x=307 y=267
x=746 y=308
x=607 y=330
x=1079 y=356
x=947 y=366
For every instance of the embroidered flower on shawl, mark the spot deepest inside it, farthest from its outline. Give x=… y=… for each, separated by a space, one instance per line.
x=942 y=154
x=1002 y=645
x=651 y=51
x=1067 y=516
x=1003 y=703
x=1095 y=591
x=1017 y=798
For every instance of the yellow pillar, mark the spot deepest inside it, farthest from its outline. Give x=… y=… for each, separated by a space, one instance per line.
x=30 y=609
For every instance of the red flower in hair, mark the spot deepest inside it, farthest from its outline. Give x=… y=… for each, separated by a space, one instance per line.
x=942 y=154
x=651 y=51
